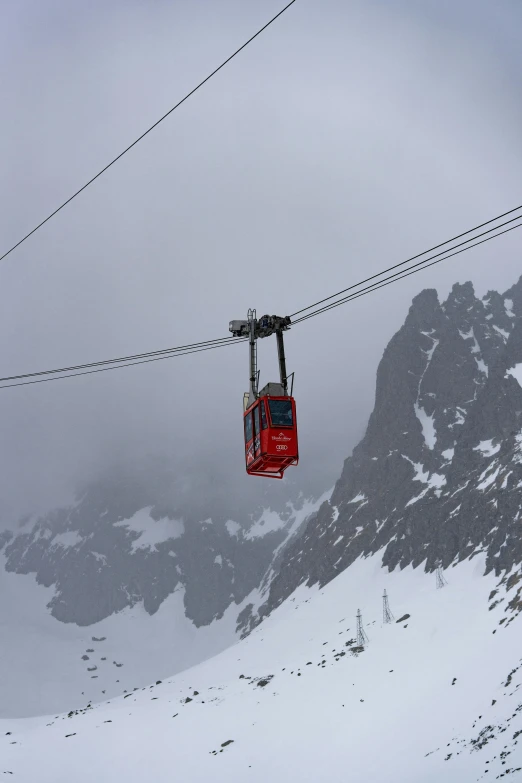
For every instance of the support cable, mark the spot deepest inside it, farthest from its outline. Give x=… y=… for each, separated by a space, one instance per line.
x=399 y=276
x=413 y=258
x=145 y=133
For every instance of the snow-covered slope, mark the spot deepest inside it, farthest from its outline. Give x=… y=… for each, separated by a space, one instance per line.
x=47 y=665
x=434 y=697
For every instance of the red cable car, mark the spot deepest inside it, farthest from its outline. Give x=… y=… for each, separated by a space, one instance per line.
x=270 y=425
x=270 y=436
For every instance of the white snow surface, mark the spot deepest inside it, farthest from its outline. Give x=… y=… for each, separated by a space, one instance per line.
x=385 y=715
x=481 y=364
x=41 y=666
x=151 y=531
x=502 y=332
x=508 y=304
x=427 y=422
x=271 y=521
x=487 y=448
x=518 y=449
x=432 y=481
x=233 y=527
x=471 y=336
x=488 y=478
x=268 y=522
x=516 y=372
x=358 y=498
x=437 y=480
x=67 y=539
x=428 y=426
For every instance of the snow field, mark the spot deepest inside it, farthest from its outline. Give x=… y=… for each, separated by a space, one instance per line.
x=41 y=658
x=317 y=714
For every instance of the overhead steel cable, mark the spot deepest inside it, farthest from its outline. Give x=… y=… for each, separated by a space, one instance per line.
x=183 y=350
x=118 y=366
x=166 y=351
x=413 y=258
x=403 y=273
x=145 y=133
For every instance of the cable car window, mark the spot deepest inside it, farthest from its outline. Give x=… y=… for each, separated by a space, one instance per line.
x=264 y=422
x=257 y=428
x=281 y=413
x=248 y=428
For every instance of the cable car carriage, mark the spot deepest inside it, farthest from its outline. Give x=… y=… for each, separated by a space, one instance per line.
x=270 y=425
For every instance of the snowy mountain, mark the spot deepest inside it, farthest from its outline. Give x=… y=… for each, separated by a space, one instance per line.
x=127 y=584
x=438 y=475
x=124 y=542
x=435 y=695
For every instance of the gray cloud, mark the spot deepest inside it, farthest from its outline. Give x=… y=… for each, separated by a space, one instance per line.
x=346 y=138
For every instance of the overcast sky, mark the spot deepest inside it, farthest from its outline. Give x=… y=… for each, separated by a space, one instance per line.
x=347 y=137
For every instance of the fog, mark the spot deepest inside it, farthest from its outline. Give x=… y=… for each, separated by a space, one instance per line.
x=347 y=137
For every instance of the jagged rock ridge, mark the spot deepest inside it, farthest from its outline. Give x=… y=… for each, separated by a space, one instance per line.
x=124 y=543
x=438 y=474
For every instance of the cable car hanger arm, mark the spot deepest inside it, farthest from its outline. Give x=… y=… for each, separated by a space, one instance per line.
x=254 y=328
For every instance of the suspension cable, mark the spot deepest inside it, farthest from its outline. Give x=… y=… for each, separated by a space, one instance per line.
x=206 y=345
x=169 y=351
x=400 y=275
x=413 y=258
x=145 y=133
x=233 y=341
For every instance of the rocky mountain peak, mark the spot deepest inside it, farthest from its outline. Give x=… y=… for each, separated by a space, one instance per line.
x=514 y=295
x=438 y=474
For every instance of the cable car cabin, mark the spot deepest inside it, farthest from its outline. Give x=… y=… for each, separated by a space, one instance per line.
x=270 y=436
x=269 y=415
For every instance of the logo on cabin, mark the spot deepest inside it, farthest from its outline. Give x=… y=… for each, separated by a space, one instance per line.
x=281 y=436
x=280 y=447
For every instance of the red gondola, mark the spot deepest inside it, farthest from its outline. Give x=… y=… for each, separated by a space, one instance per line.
x=270 y=425
x=270 y=436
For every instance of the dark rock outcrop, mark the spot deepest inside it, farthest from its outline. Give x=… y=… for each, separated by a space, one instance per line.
x=437 y=477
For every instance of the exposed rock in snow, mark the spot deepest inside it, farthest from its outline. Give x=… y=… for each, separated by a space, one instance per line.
x=439 y=419
x=486 y=448
x=151 y=531
x=441 y=691
x=70 y=538
x=516 y=372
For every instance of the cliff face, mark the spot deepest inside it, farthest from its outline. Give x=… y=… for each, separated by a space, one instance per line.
x=438 y=474
x=125 y=542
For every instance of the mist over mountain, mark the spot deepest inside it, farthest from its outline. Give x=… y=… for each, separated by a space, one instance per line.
x=138 y=536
